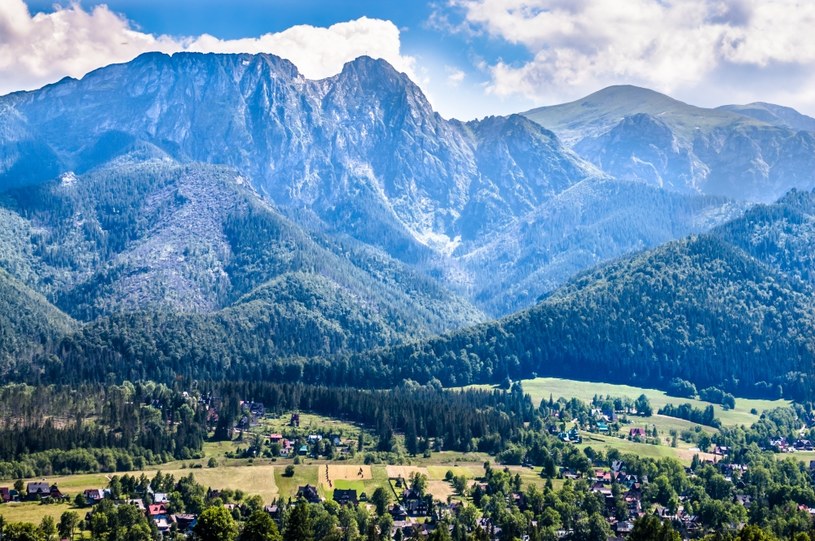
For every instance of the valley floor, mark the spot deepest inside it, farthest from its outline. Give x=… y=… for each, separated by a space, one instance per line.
x=266 y=476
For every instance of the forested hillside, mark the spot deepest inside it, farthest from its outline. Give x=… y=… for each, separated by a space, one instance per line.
x=701 y=309
x=29 y=325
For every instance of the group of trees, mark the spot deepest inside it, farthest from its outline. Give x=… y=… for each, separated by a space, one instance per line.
x=689 y=413
x=454 y=420
x=50 y=430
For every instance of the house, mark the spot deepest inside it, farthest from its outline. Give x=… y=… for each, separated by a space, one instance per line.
x=39 y=489
x=415 y=503
x=93 y=495
x=5 y=495
x=303 y=451
x=157 y=511
x=273 y=510
x=745 y=500
x=185 y=521
x=309 y=493
x=572 y=436
x=163 y=524
x=624 y=527
x=602 y=426
x=160 y=497
x=399 y=513
x=405 y=527
x=566 y=473
x=636 y=432
x=343 y=496
x=602 y=476
x=275 y=438
x=139 y=503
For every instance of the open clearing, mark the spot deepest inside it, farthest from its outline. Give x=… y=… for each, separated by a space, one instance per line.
x=542 y=388
x=685 y=456
x=33 y=511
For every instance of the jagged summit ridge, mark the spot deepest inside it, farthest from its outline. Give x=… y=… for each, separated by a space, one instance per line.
x=360 y=155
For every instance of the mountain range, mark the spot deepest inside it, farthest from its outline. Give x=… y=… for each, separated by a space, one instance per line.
x=755 y=153
x=194 y=214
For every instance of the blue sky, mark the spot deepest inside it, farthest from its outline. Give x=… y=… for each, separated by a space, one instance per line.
x=472 y=57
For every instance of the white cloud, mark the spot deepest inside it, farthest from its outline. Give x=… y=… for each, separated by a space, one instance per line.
x=675 y=46
x=39 y=49
x=454 y=76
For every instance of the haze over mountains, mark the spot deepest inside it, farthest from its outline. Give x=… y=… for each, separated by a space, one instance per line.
x=225 y=200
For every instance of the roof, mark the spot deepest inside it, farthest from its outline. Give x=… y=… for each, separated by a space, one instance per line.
x=344 y=495
x=157 y=509
x=38 y=486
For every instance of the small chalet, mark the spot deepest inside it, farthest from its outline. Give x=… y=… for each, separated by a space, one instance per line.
x=342 y=496
x=157 y=511
x=636 y=432
x=93 y=495
x=5 y=495
x=602 y=476
x=39 y=489
x=275 y=438
x=309 y=493
x=399 y=513
x=415 y=504
x=163 y=524
x=273 y=510
x=185 y=522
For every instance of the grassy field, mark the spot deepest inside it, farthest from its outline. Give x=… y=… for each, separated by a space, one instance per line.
x=309 y=424
x=303 y=475
x=33 y=512
x=682 y=454
x=543 y=388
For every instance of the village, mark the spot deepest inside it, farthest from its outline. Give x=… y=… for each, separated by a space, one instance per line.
x=336 y=463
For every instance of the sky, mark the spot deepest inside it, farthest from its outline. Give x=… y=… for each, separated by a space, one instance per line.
x=473 y=58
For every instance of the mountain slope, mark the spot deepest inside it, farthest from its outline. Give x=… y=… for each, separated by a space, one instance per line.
x=701 y=309
x=360 y=156
x=148 y=236
x=29 y=326
x=638 y=134
x=592 y=222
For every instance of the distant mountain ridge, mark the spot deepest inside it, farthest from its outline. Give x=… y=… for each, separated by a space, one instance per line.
x=754 y=153
x=777 y=115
